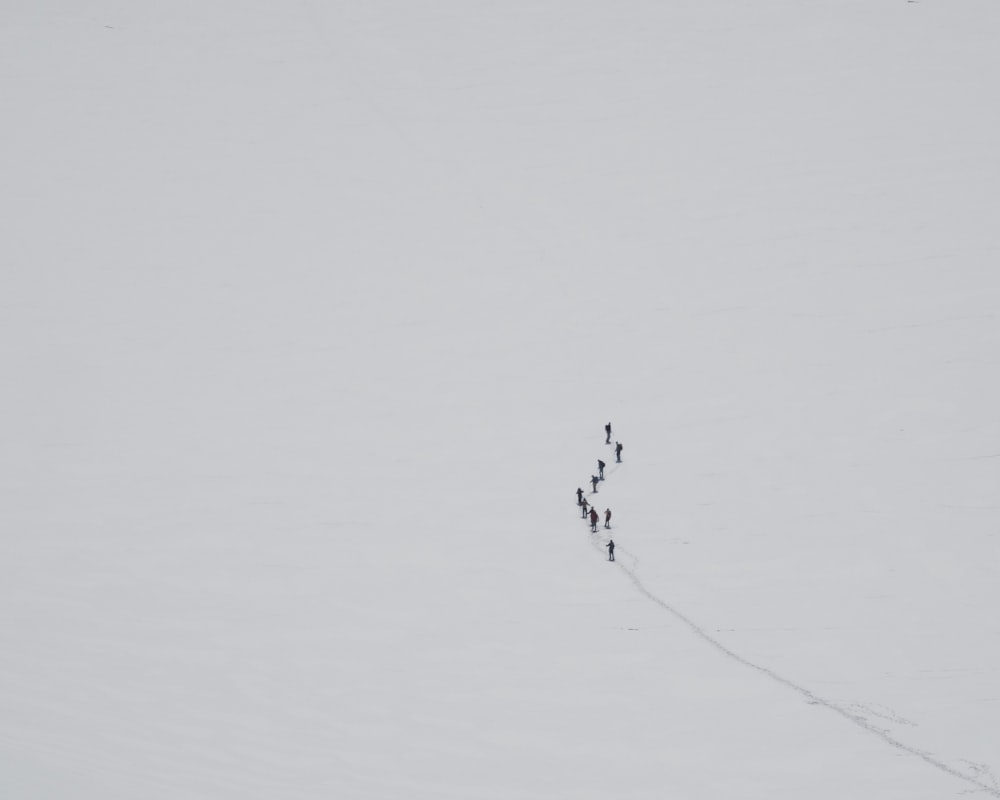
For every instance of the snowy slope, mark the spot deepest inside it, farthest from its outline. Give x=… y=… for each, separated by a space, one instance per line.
x=312 y=317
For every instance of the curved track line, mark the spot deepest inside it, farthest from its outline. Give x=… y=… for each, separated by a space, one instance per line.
x=860 y=722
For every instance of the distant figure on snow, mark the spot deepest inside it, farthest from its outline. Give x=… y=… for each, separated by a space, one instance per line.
x=579 y=496
x=594 y=480
x=611 y=549
x=618 y=452
x=583 y=508
x=607 y=518
x=600 y=469
x=607 y=430
x=593 y=519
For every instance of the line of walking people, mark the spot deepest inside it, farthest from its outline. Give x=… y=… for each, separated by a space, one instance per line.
x=590 y=509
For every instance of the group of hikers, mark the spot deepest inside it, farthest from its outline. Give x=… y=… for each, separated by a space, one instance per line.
x=581 y=501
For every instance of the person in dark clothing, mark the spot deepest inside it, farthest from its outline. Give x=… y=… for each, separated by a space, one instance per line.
x=607 y=518
x=583 y=509
x=607 y=430
x=593 y=519
x=611 y=549
x=593 y=480
x=618 y=452
x=579 y=496
x=600 y=469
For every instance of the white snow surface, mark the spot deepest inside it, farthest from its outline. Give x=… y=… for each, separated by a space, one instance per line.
x=312 y=317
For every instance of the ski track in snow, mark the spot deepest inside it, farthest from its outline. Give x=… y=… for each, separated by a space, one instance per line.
x=980 y=770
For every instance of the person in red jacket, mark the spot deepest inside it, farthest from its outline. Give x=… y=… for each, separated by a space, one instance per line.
x=593 y=519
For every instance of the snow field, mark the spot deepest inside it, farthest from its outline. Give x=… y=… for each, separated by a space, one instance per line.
x=312 y=317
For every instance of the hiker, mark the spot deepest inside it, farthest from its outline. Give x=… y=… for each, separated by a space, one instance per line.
x=593 y=519
x=607 y=430
x=607 y=518
x=600 y=469
x=594 y=480
x=611 y=549
x=583 y=509
x=618 y=452
x=579 y=496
